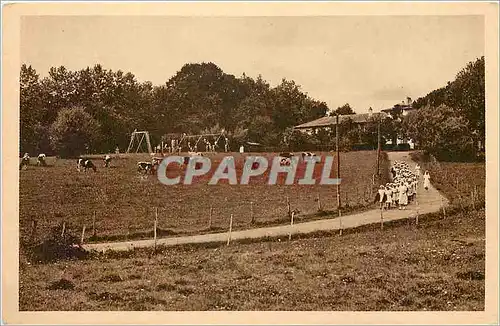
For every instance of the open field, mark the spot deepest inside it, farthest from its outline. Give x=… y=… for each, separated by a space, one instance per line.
x=125 y=201
x=438 y=265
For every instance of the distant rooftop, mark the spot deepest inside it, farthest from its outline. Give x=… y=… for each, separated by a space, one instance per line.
x=399 y=106
x=331 y=121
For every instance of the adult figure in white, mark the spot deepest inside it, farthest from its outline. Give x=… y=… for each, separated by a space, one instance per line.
x=427 y=180
x=403 y=196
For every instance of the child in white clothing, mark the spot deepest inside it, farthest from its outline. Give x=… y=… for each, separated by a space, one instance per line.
x=388 y=196
x=381 y=194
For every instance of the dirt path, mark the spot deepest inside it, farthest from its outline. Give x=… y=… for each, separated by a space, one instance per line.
x=428 y=201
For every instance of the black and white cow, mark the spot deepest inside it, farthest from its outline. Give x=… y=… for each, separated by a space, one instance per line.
x=286 y=158
x=307 y=154
x=85 y=164
x=40 y=161
x=25 y=161
x=107 y=161
x=149 y=167
x=145 y=167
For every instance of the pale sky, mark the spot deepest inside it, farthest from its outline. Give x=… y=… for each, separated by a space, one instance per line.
x=364 y=60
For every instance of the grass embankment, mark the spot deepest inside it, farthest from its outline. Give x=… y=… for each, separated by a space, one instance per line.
x=437 y=265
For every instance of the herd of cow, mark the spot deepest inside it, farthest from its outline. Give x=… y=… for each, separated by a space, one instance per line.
x=84 y=164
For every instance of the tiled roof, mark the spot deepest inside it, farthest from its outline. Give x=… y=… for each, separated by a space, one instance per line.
x=331 y=121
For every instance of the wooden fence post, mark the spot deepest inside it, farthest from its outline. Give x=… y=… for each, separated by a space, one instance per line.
x=444 y=208
x=155 y=225
x=291 y=225
x=381 y=219
x=93 y=226
x=83 y=234
x=63 y=229
x=230 y=229
x=210 y=217
x=33 y=230
x=252 y=221
x=319 y=202
x=341 y=226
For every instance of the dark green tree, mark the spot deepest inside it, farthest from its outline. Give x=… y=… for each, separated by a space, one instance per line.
x=74 y=132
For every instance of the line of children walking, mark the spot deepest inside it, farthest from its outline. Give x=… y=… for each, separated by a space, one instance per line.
x=403 y=188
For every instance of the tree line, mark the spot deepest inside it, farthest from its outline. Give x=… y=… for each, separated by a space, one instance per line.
x=93 y=110
x=450 y=121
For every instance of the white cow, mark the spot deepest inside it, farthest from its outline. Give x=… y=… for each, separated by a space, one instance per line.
x=40 y=161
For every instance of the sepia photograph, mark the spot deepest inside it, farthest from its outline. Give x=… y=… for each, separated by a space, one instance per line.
x=251 y=161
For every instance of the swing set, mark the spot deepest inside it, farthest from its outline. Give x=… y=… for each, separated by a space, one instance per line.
x=137 y=137
x=192 y=142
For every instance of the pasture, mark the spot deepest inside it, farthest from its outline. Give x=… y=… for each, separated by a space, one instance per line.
x=124 y=201
x=457 y=181
x=439 y=266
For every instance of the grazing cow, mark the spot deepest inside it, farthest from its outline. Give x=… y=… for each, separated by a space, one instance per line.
x=285 y=161
x=145 y=167
x=155 y=162
x=107 y=161
x=25 y=161
x=149 y=167
x=40 y=161
x=307 y=154
x=286 y=158
x=85 y=164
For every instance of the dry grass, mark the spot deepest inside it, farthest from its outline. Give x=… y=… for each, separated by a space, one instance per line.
x=125 y=201
x=437 y=266
x=457 y=181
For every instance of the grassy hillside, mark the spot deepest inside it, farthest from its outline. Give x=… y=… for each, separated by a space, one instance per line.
x=124 y=201
x=437 y=265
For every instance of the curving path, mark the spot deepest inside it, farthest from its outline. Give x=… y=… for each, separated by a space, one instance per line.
x=428 y=201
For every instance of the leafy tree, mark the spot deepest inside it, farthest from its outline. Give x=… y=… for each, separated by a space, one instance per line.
x=74 y=132
x=465 y=94
x=442 y=132
x=295 y=140
x=197 y=97
x=30 y=107
x=343 y=110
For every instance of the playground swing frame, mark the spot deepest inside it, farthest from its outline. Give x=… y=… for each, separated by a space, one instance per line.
x=142 y=135
x=199 y=137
